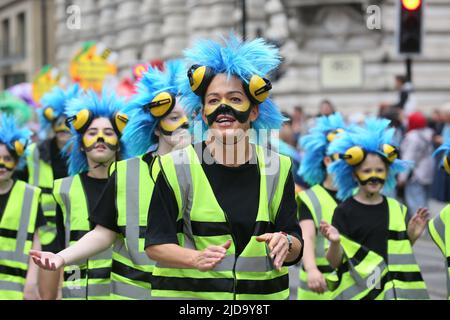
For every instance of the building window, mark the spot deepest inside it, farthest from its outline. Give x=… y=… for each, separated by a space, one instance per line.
x=5 y=38
x=68 y=3
x=10 y=80
x=21 y=35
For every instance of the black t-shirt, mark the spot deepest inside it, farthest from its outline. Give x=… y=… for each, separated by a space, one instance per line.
x=237 y=192
x=105 y=212
x=93 y=188
x=58 y=162
x=365 y=224
x=305 y=213
x=40 y=220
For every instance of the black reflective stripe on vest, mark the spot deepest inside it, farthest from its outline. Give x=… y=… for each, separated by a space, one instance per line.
x=375 y=292
x=448 y=263
x=359 y=256
x=263 y=227
x=130 y=273
x=97 y=273
x=12 y=234
x=210 y=229
x=406 y=276
x=193 y=284
x=322 y=269
x=50 y=219
x=48 y=191
x=256 y=287
x=17 y=272
x=142 y=231
x=398 y=235
x=76 y=235
x=399 y=276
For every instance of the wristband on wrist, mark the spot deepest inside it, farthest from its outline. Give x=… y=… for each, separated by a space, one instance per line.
x=289 y=239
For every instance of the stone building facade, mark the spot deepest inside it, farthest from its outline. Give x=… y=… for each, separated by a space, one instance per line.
x=305 y=30
x=26 y=39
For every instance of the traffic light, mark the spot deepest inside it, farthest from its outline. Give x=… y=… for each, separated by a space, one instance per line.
x=410 y=26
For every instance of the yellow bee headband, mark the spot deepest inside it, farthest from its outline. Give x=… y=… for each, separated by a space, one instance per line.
x=161 y=105
x=333 y=134
x=83 y=119
x=446 y=163
x=257 y=89
x=356 y=155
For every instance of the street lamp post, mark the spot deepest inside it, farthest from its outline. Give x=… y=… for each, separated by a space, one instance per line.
x=244 y=18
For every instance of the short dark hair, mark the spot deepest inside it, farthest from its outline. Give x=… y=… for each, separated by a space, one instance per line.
x=401 y=78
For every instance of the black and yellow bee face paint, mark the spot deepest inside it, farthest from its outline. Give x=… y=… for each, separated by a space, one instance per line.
x=110 y=140
x=60 y=126
x=241 y=111
x=372 y=176
x=168 y=128
x=7 y=163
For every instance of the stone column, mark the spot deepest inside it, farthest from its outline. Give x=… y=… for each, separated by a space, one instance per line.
x=128 y=30
x=174 y=27
x=151 y=38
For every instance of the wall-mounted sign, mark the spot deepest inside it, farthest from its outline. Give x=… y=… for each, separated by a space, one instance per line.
x=341 y=71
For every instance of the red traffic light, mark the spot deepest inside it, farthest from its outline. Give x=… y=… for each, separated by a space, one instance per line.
x=411 y=4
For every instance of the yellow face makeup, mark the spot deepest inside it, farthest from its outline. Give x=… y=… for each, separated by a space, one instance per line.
x=60 y=126
x=90 y=140
x=372 y=174
x=8 y=163
x=171 y=126
x=240 y=107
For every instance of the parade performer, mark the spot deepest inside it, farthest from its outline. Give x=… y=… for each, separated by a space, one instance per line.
x=316 y=204
x=45 y=164
x=371 y=236
x=439 y=227
x=157 y=124
x=222 y=221
x=20 y=217
x=97 y=125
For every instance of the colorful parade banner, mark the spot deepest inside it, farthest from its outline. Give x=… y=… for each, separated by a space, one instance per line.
x=47 y=78
x=92 y=65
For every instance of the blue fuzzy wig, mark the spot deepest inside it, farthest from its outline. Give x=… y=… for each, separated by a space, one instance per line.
x=106 y=107
x=10 y=132
x=315 y=144
x=443 y=150
x=371 y=138
x=139 y=134
x=234 y=57
x=57 y=99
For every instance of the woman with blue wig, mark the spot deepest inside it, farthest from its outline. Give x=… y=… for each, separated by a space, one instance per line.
x=46 y=163
x=157 y=125
x=222 y=221
x=371 y=235
x=97 y=125
x=439 y=227
x=316 y=204
x=20 y=217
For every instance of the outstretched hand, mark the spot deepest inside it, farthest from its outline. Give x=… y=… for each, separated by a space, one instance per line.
x=209 y=258
x=418 y=223
x=47 y=260
x=329 y=232
x=278 y=246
